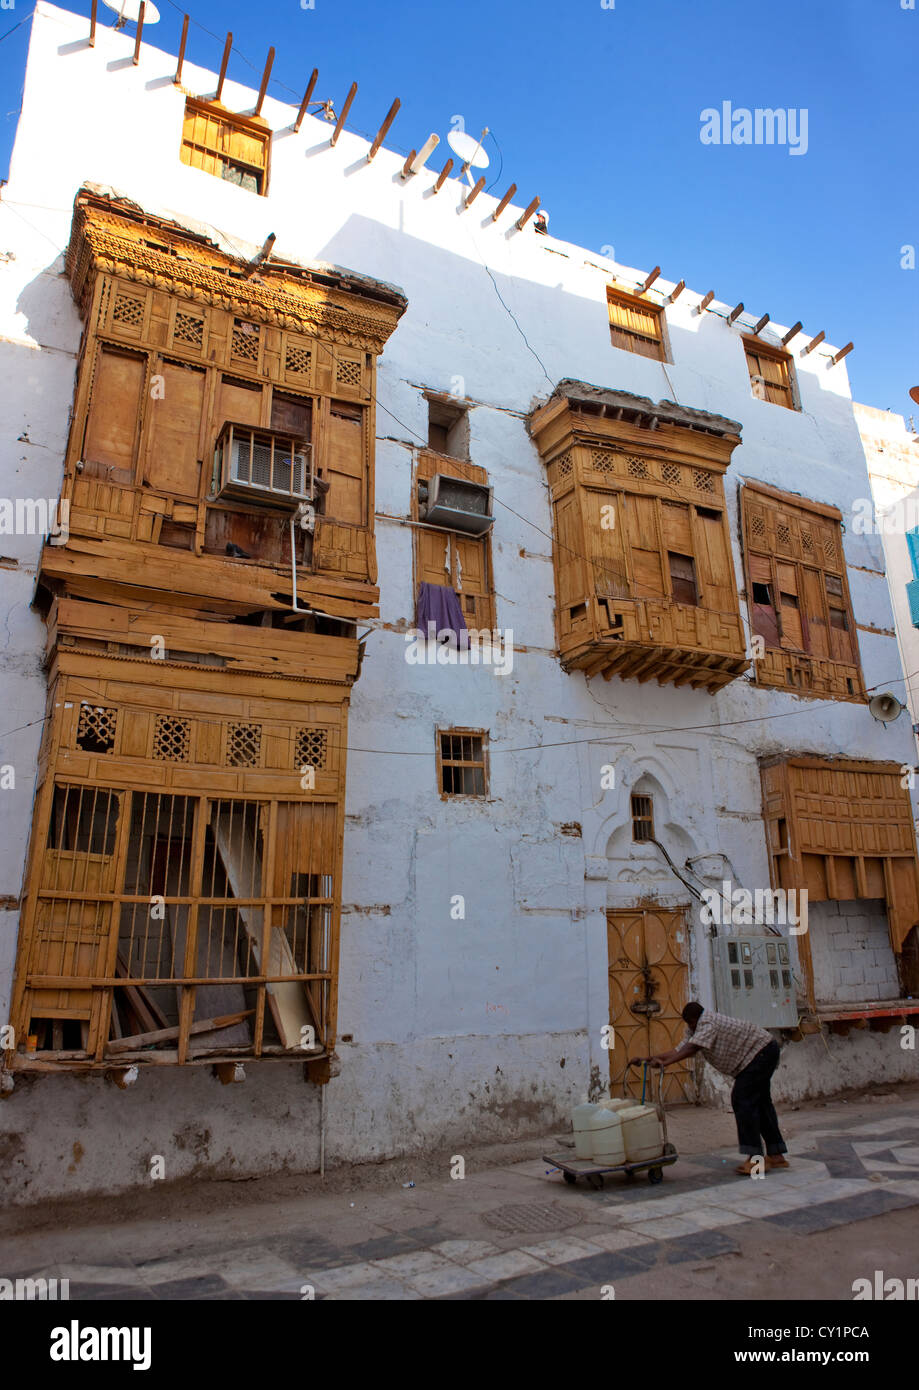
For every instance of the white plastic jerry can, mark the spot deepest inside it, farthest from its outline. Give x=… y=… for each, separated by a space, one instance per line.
x=580 y=1121
x=641 y=1132
x=607 y=1146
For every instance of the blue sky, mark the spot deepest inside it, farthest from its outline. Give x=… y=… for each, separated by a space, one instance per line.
x=598 y=111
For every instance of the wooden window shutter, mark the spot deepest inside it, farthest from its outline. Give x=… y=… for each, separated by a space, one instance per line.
x=635 y=325
x=607 y=554
x=715 y=566
x=433 y=557
x=114 y=411
x=172 y=457
x=770 y=373
x=344 y=464
x=644 y=546
x=572 y=581
x=470 y=560
x=239 y=401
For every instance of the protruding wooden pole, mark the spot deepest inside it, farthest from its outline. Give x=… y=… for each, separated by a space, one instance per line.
x=443 y=176
x=650 y=280
x=406 y=167
x=140 y=30
x=223 y=66
x=416 y=162
x=701 y=308
x=474 y=192
x=92 y=24
x=791 y=333
x=381 y=133
x=269 y=61
x=178 y=77
x=814 y=342
x=735 y=312
x=676 y=292
x=340 y=123
x=504 y=202
x=306 y=99
x=843 y=352
x=761 y=325
x=525 y=216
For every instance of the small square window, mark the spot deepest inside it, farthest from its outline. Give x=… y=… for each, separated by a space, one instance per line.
x=735 y=979
x=448 y=427
x=636 y=324
x=770 y=373
x=642 y=819
x=463 y=763
x=683 y=578
x=746 y=953
x=732 y=952
x=748 y=979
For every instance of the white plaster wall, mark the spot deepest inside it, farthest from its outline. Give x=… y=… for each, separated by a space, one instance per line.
x=893 y=472
x=489 y=1025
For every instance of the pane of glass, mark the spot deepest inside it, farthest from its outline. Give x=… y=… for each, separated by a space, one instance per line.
x=732 y=952
x=748 y=979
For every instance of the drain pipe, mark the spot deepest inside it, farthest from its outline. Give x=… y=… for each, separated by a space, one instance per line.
x=322 y=1090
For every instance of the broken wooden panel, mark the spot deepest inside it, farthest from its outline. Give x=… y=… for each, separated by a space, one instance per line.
x=171 y=458
x=113 y=420
x=343 y=464
x=842 y=830
x=796 y=567
x=250 y=535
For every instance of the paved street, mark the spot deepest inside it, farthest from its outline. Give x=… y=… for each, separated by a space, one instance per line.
x=848 y=1205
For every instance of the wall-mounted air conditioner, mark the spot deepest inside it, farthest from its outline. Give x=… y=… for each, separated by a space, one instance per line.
x=262 y=467
x=754 y=979
x=457 y=504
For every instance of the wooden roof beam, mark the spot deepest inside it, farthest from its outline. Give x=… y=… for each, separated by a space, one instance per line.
x=340 y=123
x=735 y=312
x=701 y=307
x=643 y=289
x=504 y=202
x=814 y=342
x=223 y=66
x=381 y=133
x=140 y=29
x=758 y=328
x=843 y=352
x=474 y=192
x=525 y=216
x=269 y=61
x=676 y=292
x=181 y=59
x=92 y=24
x=416 y=162
x=306 y=99
x=443 y=175
x=791 y=333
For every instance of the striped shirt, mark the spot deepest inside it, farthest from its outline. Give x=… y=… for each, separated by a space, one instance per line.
x=728 y=1044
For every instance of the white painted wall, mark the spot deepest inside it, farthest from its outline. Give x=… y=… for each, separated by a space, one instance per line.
x=462 y=1030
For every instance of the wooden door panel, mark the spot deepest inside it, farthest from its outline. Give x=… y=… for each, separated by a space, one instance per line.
x=647 y=950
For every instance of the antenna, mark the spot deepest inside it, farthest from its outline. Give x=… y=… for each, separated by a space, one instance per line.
x=128 y=11
x=469 y=151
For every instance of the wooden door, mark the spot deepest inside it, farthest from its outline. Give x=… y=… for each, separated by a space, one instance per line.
x=648 y=976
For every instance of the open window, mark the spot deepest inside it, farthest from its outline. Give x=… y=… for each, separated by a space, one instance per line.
x=231 y=147
x=771 y=373
x=448 y=427
x=635 y=324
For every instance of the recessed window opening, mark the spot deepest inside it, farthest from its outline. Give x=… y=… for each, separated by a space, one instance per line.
x=642 y=819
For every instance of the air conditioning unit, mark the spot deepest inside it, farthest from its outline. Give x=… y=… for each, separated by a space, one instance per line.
x=457 y=505
x=754 y=979
x=262 y=467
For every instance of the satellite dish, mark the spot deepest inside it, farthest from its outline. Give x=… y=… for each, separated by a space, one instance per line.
x=914 y=394
x=885 y=707
x=469 y=150
x=128 y=11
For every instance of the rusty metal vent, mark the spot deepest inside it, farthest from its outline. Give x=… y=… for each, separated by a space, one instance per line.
x=531 y=1218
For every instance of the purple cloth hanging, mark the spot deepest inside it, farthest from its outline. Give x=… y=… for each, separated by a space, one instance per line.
x=439 y=606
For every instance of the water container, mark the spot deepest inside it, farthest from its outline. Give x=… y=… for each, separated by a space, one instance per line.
x=580 y=1121
x=619 y=1103
x=607 y=1147
x=641 y=1132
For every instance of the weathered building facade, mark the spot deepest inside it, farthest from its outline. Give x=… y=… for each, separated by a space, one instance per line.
x=254 y=821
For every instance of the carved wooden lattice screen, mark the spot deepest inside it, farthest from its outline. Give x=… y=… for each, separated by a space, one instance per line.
x=799 y=595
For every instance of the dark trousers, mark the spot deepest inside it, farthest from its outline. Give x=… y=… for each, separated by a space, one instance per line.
x=757 y=1122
